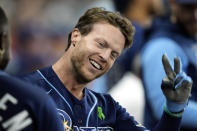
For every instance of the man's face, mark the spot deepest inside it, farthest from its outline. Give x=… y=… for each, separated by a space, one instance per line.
x=95 y=53
x=4 y=47
x=186 y=15
x=156 y=7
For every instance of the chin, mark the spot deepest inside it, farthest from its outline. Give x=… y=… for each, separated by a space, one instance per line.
x=91 y=78
x=84 y=78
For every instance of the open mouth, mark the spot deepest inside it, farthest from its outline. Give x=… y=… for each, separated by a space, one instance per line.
x=95 y=64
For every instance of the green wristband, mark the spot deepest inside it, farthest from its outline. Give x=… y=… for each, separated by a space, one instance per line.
x=175 y=114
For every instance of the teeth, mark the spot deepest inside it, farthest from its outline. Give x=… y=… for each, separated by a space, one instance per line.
x=96 y=65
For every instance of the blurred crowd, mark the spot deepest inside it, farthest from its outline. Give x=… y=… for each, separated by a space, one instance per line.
x=39 y=31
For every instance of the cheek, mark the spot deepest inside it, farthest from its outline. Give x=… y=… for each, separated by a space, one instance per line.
x=79 y=56
x=85 y=47
x=109 y=66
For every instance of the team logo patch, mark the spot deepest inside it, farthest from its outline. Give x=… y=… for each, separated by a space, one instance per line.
x=67 y=122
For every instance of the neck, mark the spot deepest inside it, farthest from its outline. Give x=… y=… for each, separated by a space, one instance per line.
x=63 y=69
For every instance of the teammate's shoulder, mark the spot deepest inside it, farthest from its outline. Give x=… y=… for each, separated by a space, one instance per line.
x=28 y=97
x=20 y=88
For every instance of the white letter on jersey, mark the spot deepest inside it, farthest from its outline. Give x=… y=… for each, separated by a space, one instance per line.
x=7 y=97
x=18 y=122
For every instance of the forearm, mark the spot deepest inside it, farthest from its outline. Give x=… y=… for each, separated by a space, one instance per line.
x=168 y=123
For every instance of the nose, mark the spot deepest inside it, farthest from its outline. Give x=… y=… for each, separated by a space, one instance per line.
x=105 y=55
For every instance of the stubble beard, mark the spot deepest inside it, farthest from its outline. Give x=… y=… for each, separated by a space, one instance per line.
x=77 y=64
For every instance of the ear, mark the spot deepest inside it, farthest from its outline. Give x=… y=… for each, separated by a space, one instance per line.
x=75 y=36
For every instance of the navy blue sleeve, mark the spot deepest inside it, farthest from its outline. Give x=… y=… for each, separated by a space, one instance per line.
x=125 y=122
x=25 y=107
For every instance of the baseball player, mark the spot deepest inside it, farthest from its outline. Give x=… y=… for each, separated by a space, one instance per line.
x=97 y=40
x=22 y=106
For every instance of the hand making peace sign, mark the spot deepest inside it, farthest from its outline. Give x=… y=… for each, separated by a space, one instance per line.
x=176 y=86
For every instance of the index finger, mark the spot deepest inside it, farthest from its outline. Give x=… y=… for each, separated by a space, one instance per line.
x=167 y=67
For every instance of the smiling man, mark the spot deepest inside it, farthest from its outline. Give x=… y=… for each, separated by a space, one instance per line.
x=94 y=44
